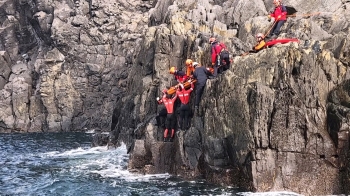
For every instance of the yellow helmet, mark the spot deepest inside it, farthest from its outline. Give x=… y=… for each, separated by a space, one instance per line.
x=172 y=70
x=188 y=62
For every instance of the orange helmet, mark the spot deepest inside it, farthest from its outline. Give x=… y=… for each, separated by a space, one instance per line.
x=188 y=62
x=259 y=35
x=172 y=70
x=212 y=39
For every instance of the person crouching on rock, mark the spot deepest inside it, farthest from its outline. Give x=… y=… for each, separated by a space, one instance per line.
x=185 y=110
x=169 y=101
x=280 y=15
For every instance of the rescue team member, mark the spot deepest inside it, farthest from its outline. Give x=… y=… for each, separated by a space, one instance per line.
x=189 y=68
x=179 y=75
x=161 y=117
x=280 y=16
x=170 y=122
x=215 y=51
x=201 y=75
x=185 y=110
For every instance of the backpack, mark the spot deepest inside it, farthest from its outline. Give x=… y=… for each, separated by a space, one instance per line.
x=224 y=55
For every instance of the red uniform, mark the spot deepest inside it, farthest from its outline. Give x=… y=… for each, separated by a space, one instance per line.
x=215 y=51
x=184 y=95
x=169 y=103
x=184 y=109
x=170 y=119
x=180 y=76
x=279 y=11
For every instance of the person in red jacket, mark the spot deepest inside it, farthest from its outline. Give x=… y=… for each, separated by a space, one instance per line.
x=170 y=122
x=185 y=110
x=215 y=55
x=179 y=75
x=280 y=16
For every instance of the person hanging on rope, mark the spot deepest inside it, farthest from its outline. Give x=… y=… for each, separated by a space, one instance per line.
x=280 y=16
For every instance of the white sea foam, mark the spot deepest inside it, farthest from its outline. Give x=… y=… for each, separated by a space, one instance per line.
x=77 y=152
x=277 y=193
x=145 y=178
x=90 y=131
x=108 y=163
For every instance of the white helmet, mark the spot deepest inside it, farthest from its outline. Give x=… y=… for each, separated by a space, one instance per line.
x=259 y=35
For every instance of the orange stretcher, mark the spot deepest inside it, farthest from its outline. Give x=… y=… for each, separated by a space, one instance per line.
x=187 y=85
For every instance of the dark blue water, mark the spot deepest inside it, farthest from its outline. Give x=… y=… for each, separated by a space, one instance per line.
x=66 y=164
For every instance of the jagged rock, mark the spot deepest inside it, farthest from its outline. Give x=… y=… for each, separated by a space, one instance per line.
x=5 y=68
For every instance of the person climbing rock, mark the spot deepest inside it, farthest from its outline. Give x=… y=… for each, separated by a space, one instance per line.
x=180 y=76
x=169 y=101
x=280 y=16
x=161 y=116
x=225 y=60
x=215 y=54
x=184 y=110
x=201 y=75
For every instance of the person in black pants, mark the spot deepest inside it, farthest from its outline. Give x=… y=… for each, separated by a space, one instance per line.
x=184 y=110
x=201 y=75
x=161 y=117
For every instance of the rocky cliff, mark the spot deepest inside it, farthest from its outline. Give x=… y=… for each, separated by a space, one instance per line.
x=276 y=120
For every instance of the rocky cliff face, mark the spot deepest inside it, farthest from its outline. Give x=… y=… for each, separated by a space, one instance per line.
x=66 y=63
x=276 y=120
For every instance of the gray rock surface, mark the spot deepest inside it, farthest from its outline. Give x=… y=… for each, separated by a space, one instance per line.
x=276 y=120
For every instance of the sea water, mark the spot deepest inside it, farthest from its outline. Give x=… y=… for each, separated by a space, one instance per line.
x=66 y=164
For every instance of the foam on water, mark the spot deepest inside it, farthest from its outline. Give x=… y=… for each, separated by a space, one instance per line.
x=65 y=164
x=274 y=193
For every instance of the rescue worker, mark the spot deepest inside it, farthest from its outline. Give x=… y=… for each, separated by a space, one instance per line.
x=201 y=75
x=280 y=16
x=184 y=110
x=161 y=117
x=260 y=39
x=215 y=52
x=179 y=75
x=190 y=68
x=170 y=122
